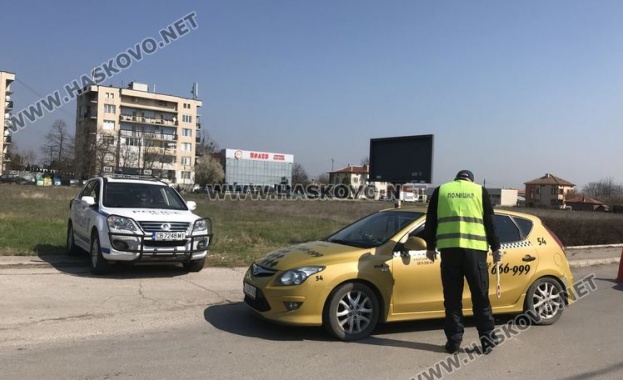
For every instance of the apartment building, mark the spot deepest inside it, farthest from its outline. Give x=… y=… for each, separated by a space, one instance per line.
x=137 y=131
x=548 y=191
x=6 y=106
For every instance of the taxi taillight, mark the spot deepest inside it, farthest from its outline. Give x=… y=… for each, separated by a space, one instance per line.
x=553 y=235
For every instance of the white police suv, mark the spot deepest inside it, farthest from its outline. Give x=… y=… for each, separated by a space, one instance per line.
x=121 y=218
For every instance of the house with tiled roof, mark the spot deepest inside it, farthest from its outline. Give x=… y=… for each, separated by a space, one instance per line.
x=356 y=177
x=584 y=203
x=548 y=191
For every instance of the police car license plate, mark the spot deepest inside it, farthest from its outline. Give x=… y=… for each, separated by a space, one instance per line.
x=250 y=290
x=168 y=235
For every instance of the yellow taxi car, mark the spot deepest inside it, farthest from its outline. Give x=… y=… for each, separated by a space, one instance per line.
x=376 y=270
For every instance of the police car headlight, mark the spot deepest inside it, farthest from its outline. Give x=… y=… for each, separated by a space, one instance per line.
x=201 y=225
x=119 y=223
x=297 y=276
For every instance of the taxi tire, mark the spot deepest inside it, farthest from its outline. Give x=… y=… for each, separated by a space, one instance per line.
x=72 y=249
x=330 y=319
x=543 y=283
x=101 y=265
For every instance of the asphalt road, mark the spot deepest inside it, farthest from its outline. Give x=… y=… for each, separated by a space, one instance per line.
x=161 y=323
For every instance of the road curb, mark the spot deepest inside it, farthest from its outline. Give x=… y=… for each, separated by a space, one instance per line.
x=590 y=262
x=60 y=261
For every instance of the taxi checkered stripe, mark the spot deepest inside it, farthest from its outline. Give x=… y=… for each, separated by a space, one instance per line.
x=517 y=244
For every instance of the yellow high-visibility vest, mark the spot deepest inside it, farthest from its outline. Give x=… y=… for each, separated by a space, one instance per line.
x=459 y=216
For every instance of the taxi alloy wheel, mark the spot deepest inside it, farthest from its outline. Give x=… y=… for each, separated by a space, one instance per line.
x=545 y=301
x=352 y=311
x=98 y=264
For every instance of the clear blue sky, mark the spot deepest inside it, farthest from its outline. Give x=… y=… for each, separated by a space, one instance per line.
x=511 y=90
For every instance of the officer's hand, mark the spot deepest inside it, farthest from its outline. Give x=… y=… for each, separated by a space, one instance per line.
x=497 y=256
x=431 y=255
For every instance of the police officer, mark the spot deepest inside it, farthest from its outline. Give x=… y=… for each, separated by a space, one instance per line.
x=459 y=223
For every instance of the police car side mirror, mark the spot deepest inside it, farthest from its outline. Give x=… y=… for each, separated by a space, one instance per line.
x=415 y=243
x=192 y=205
x=89 y=201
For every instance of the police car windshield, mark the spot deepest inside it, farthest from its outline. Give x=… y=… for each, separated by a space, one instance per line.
x=133 y=195
x=374 y=230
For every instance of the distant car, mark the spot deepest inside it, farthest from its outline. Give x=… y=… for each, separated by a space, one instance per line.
x=376 y=270
x=132 y=219
x=10 y=178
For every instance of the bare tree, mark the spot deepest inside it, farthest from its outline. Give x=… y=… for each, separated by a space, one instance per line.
x=208 y=145
x=208 y=171
x=299 y=175
x=365 y=161
x=94 y=152
x=323 y=179
x=605 y=190
x=58 y=149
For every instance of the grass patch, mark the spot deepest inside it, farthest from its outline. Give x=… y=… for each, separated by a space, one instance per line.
x=33 y=221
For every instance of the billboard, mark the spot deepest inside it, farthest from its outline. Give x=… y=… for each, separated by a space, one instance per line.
x=402 y=159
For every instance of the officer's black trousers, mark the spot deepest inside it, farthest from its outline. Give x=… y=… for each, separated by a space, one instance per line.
x=457 y=264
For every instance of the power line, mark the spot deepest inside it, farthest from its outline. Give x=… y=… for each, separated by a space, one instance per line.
x=62 y=108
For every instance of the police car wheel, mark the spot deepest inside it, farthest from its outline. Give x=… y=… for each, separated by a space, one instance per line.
x=72 y=249
x=351 y=312
x=545 y=301
x=194 y=265
x=97 y=263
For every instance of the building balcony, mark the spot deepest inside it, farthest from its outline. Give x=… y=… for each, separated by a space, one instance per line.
x=89 y=115
x=148 y=120
x=7 y=140
x=139 y=103
x=148 y=136
x=198 y=126
x=8 y=106
x=160 y=151
x=8 y=123
x=198 y=139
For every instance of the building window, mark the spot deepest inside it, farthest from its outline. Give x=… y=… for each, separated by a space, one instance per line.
x=110 y=95
x=187 y=132
x=109 y=108
x=186 y=147
x=132 y=141
x=108 y=124
x=186 y=161
x=108 y=140
x=185 y=175
x=187 y=118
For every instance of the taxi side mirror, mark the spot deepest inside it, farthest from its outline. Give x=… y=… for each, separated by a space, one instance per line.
x=415 y=243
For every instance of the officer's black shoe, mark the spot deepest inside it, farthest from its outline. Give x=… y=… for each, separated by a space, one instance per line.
x=452 y=347
x=488 y=342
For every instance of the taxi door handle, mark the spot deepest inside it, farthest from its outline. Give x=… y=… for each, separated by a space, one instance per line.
x=528 y=258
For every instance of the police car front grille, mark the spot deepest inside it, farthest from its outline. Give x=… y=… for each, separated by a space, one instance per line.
x=160 y=226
